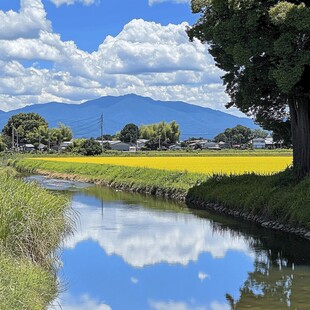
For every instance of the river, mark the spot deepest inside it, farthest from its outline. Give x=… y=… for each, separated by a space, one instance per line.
x=132 y=252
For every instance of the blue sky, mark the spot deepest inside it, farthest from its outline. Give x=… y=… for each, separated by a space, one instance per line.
x=109 y=18
x=75 y=50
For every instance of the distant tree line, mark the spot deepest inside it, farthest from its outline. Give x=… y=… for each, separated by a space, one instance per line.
x=242 y=135
x=31 y=128
x=158 y=135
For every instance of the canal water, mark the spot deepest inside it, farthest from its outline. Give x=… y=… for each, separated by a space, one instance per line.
x=131 y=252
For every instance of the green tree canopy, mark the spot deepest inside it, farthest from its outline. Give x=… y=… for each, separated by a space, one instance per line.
x=264 y=49
x=165 y=132
x=3 y=144
x=130 y=133
x=33 y=128
x=259 y=133
x=55 y=136
x=237 y=135
x=90 y=147
x=25 y=126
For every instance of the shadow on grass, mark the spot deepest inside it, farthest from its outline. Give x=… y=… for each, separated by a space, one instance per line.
x=277 y=197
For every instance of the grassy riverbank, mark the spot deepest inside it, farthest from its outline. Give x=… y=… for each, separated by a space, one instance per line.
x=152 y=181
x=270 y=198
x=32 y=224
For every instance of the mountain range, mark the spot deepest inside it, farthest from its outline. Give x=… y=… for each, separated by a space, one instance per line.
x=84 y=118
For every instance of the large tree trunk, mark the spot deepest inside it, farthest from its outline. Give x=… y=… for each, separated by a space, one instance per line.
x=300 y=122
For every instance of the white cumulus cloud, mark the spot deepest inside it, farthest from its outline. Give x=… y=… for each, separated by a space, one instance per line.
x=83 y=302
x=202 y=276
x=173 y=305
x=70 y=2
x=134 y=280
x=145 y=58
x=26 y=23
x=151 y=2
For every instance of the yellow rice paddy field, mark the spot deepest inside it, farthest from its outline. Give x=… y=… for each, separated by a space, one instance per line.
x=205 y=165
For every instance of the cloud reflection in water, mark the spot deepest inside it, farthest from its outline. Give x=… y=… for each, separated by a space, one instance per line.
x=146 y=237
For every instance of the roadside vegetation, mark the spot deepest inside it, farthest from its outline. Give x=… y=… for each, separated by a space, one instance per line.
x=32 y=224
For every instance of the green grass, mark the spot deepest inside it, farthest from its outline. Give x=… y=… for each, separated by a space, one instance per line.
x=276 y=197
x=24 y=285
x=32 y=220
x=32 y=224
x=135 y=179
x=190 y=152
x=176 y=153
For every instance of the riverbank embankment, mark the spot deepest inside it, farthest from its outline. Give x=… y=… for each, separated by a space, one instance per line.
x=33 y=222
x=274 y=201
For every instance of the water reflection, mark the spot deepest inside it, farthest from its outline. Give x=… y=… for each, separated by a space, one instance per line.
x=281 y=273
x=147 y=236
x=56 y=184
x=133 y=252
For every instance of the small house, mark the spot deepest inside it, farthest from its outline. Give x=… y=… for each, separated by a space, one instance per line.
x=141 y=143
x=209 y=145
x=119 y=146
x=223 y=145
x=65 y=144
x=258 y=143
x=27 y=147
x=42 y=147
x=175 y=147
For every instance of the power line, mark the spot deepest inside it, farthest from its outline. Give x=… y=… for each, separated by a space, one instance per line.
x=89 y=119
x=101 y=131
x=86 y=127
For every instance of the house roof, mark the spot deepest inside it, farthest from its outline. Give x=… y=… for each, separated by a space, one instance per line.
x=118 y=142
x=66 y=143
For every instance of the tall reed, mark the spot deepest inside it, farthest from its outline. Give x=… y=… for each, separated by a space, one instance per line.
x=33 y=222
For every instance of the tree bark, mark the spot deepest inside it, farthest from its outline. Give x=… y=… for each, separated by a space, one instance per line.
x=300 y=123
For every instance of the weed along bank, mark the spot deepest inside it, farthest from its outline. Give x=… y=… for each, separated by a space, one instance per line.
x=33 y=223
x=132 y=251
x=269 y=197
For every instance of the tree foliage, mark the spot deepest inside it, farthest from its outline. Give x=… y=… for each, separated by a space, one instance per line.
x=57 y=135
x=240 y=135
x=25 y=126
x=33 y=128
x=129 y=134
x=3 y=144
x=168 y=133
x=259 y=133
x=264 y=49
x=90 y=147
x=237 y=135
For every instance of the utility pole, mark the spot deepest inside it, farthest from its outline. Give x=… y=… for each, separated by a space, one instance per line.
x=17 y=142
x=13 y=136
x=101 y=131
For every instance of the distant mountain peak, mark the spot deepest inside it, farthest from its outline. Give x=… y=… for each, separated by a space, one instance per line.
x=84 y=118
